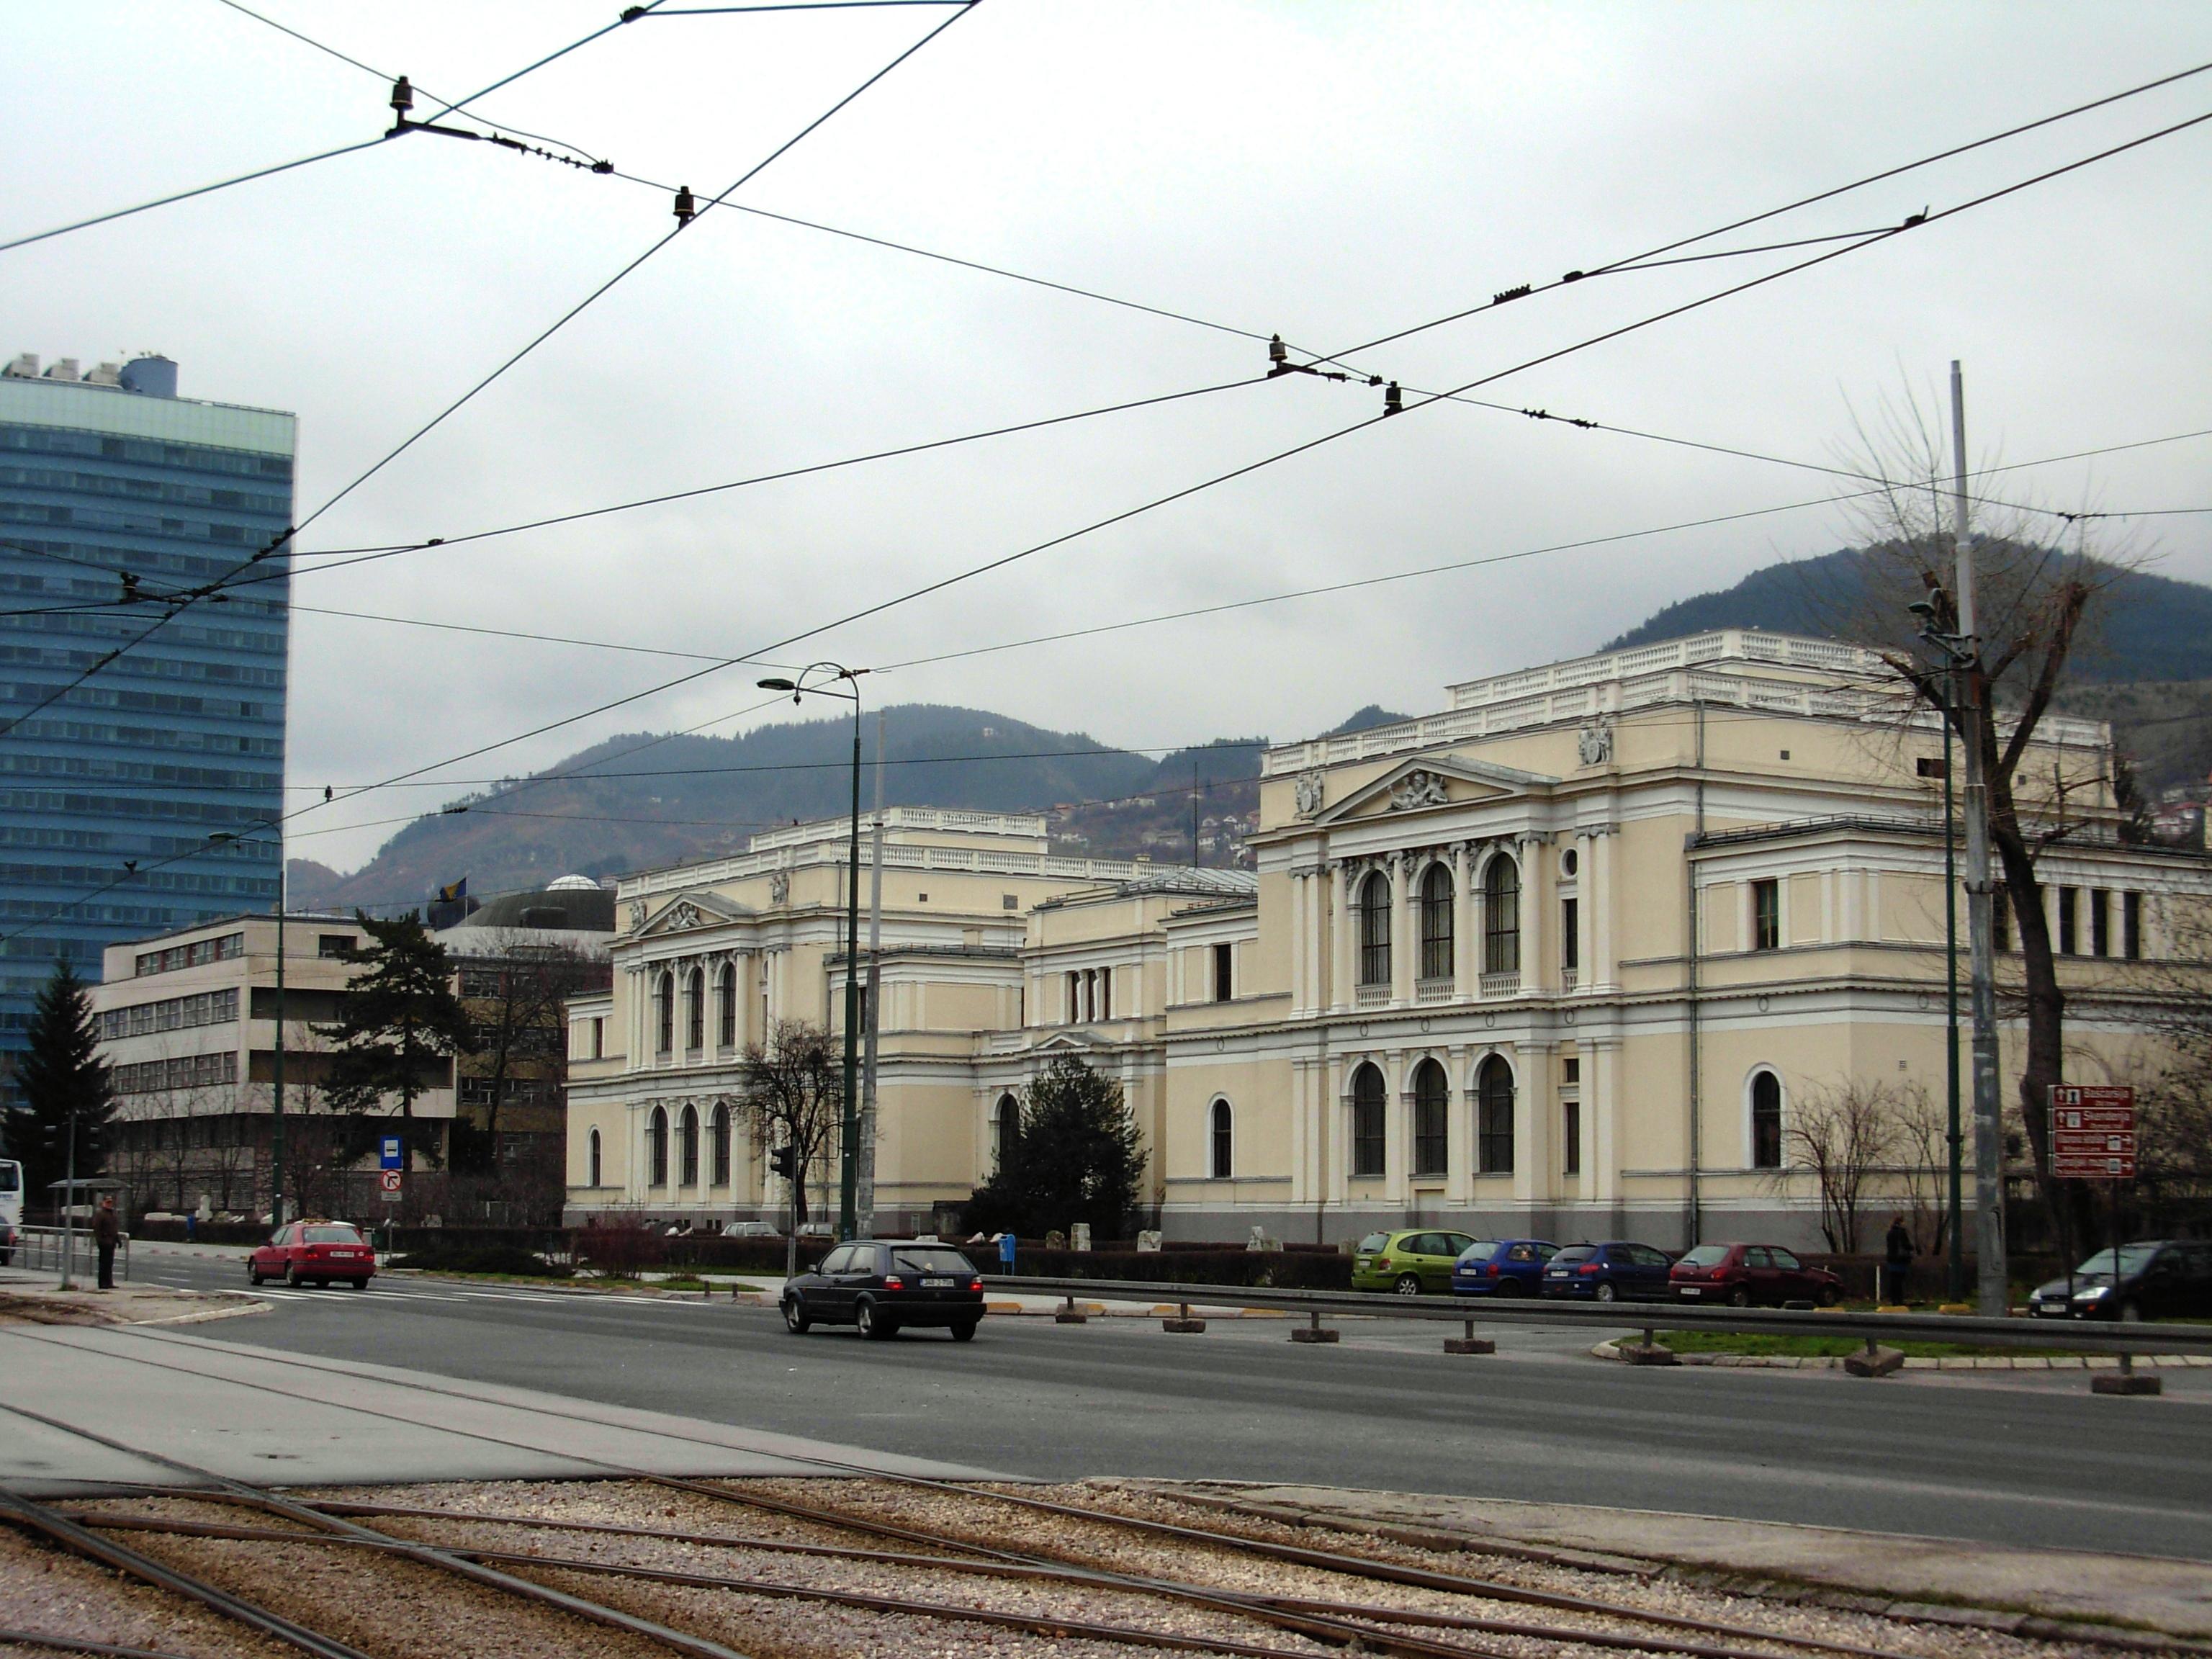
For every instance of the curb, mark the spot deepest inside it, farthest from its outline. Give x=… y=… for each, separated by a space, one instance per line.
x=1783 y=1362
x=250 y=1305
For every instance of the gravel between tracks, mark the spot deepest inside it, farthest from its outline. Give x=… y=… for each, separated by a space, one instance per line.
x=395 y=1607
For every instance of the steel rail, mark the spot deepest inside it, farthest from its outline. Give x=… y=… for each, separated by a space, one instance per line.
x=34 y=1638
x=80 y=1541
x=2116 y=1337
x=1348 y=1567
x=1034 y=1624
x=422 y=1555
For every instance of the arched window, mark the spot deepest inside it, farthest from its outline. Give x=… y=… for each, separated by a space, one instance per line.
x=1223 y=1139
x=1367 y=1110
x=1765 y=1121
x=725 y=1007
x=656 y=1146
x=1006 y=1129
x=1437 y=923
x=687 y=1147
x=1431 y=1116
x=664 y=1013
x=592 y=1166
x=1375 y=930
x=1501 y=916
x=1493 y=1109
x=694 y=1010
x=717 y=1141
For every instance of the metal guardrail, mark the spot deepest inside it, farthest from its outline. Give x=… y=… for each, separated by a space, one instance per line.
x=2088 y=1336
x=38 y=1248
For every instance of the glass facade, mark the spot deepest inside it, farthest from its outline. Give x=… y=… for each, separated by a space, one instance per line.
x=109 y=483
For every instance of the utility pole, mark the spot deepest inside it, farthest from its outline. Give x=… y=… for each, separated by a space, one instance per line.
x=277 y=1067
x=1955 y=1136
x=69 y=1206
x=1991 y=1292
x=848 y=1182
x=875 y=1003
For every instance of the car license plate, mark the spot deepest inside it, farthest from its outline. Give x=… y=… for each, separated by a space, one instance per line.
x=936 y=1284
x=1693 y=1290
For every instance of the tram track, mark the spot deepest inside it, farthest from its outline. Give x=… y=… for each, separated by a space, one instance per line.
x=1325 y=1620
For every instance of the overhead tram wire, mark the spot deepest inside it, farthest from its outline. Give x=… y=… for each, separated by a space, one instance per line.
x=971 y=573
x=292 y=531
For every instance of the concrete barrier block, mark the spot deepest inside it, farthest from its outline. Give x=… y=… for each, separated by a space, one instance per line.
x=2126 y=1382
x=1469 y=1344
x=1070 y=1316
x=1646 y=1353
x=1183 y=1327
x=1879 y=1363
x=1313 y=1334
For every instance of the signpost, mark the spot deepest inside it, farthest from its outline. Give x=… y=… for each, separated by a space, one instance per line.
x=391 y=1164
x=2093 y=1132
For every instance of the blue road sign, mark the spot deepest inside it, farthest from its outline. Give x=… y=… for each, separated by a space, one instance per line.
x=389 y=1155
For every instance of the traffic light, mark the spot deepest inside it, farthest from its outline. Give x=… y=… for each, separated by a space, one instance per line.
x=783 y=1161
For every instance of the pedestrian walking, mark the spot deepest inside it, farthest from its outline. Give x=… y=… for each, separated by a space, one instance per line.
x=107 y=1234
x=1897 y=1260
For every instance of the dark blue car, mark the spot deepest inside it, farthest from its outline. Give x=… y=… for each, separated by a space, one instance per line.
x=1502 y=1266
x=1615 y=1271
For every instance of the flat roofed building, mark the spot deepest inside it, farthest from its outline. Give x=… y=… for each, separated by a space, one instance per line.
x=113 y=491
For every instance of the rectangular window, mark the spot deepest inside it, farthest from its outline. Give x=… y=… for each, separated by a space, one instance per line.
x=1570 y=934
x=2070 y=939
x=2131 y=926
x=1766 y=915
x=1225 y=965
x=1105 y=993
x=1570 y=1137
x=2001 y=920
x=1074 y=999
x=333 y=946
x=1571 y=1072
x=1929 y=766
x=2100 y=921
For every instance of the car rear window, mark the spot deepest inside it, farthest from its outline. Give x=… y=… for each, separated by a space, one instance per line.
x=1707 y=1255
x=930 y=1259
x=332 y=1234
x=1575 y=1253
x=1375 y=1242
x=1481 y=1250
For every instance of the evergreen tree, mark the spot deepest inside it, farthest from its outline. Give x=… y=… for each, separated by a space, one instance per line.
x=400 y=1022
x=1078 y=1158
x=62 y=1077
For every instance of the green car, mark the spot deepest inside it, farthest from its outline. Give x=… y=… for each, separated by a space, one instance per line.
x=1409 y=1262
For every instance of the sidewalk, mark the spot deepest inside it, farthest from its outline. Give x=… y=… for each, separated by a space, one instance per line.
x=37 y=1298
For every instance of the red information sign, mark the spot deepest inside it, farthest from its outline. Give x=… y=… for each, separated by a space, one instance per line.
x=2093 y=1131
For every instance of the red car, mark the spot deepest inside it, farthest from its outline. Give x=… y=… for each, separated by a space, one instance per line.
x=313 y=1253
x=1743 y=1274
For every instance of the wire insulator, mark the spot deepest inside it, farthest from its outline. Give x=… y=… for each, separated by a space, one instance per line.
x=1394 y=401
x=403 y=97
x=687 y=208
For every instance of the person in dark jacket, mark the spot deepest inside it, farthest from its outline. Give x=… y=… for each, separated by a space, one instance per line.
x=1897 y=1260
x=107 y=1234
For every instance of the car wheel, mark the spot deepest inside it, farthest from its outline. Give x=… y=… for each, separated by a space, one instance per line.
x=794 y=1317
x=1510 y=1287
x=965 y=1331
x=1830 y=1296
x=1739 y=1298
x=358 y=1284
x=1606 y=1292
x=1408 y=1284
x=252 y=1277
x=873 y=1325
x=2128 y=1314
x=292 y=1277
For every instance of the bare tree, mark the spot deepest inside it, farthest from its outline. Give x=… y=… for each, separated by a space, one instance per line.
x=2036 y=608
x=517 y=1002
x=1843 y=1136
x=2174 y=1094
x=1920 y=1144
x=791 y=1094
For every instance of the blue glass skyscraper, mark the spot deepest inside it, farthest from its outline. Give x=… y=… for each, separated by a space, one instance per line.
x=114 y=492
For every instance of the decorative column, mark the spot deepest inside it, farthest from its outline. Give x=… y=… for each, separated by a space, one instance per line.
x=1463 y=958
x=1537 y=892
x=1459 y=1126
x=1597 y=902
x=1536 y=1139
x=1602 y=1119
x=1342 y=879
x=1405 y=929
x=1397 y=1121
x=1335 y=1103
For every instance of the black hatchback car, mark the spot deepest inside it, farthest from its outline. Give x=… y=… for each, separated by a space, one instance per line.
x=883 y=1285
x=1618 y=1270
x=2162 y=1278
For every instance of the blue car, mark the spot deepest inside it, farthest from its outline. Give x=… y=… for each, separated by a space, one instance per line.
x=1615 y=1271
x=1502 y=1266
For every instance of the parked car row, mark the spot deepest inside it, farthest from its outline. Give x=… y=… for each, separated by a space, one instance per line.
x=1412 y=1262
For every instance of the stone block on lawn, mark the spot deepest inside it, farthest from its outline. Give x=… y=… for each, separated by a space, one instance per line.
x=1873 y=1362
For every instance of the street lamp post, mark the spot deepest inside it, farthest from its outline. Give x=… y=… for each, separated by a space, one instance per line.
x=849 y=1140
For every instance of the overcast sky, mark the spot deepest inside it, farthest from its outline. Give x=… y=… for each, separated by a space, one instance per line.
x=1334 y=171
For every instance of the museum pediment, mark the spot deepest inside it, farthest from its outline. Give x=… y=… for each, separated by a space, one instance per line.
x=684 y=913
x=1428 y=784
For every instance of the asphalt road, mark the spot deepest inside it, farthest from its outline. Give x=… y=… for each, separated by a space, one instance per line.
x=2020 y=1458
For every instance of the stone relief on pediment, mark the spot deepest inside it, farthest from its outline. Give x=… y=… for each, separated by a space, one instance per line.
x=685 y=914
x=778 y=887
x=1418 y=789
x=1596 y=743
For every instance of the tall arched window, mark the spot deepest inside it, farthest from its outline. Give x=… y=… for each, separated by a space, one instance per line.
x=592 y=1169
x=656 y=1147
x=1493 y=1110
x=1367 y=1112
x=1222 y=1137
x=1431 y=1118
x=687 y=1147
x=1437 y=923
x=1765 y=1121
x=694 y=1010
x=717 y=1143
x=664 y=1013
x=1006 y=1129
x=725 y=1007
x=1375 y=930
x=1501 y=916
